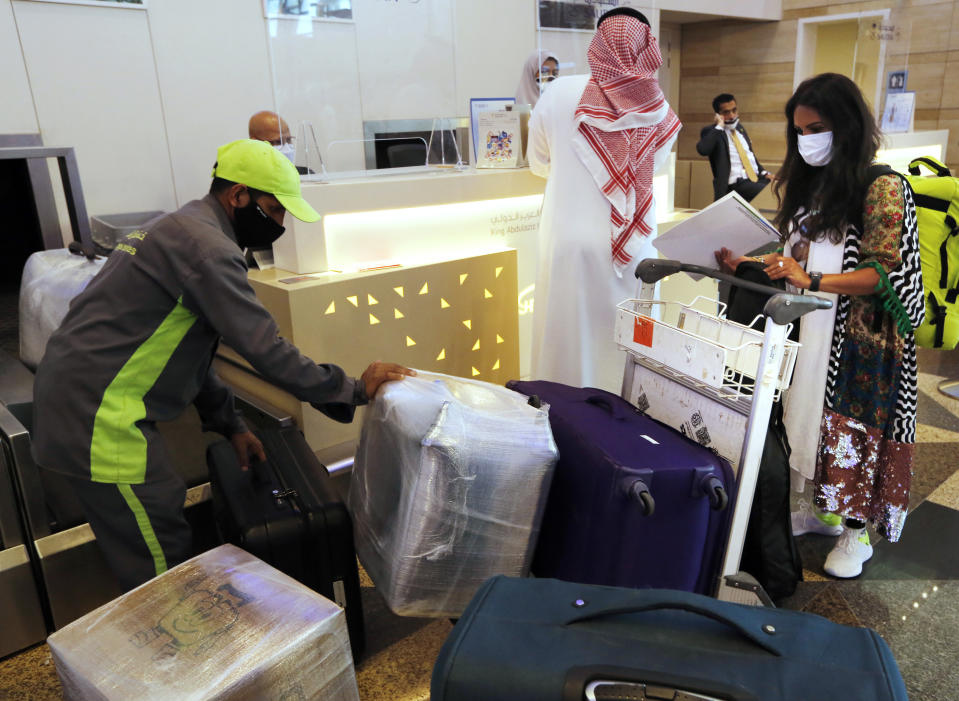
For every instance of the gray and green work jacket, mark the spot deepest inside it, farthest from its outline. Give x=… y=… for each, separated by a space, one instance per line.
x=137 y=345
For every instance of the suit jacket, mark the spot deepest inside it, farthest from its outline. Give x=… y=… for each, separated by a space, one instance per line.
x=714 y=144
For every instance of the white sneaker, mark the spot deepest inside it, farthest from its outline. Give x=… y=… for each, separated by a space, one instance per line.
x=850 y=552
x=809 y=520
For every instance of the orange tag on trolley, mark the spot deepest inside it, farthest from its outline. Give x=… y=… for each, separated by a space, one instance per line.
x=643 y=331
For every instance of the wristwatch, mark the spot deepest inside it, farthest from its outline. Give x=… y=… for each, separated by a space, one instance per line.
x=814 y=279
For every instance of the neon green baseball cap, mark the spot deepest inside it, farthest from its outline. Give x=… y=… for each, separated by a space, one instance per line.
x=258 y=165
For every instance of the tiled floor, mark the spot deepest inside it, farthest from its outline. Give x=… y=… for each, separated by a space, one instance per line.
x=909 y=591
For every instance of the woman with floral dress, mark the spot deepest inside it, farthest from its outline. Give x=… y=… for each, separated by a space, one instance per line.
x=850 y=234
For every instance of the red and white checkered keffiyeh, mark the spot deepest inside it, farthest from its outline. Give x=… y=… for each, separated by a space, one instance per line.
x=623 y=120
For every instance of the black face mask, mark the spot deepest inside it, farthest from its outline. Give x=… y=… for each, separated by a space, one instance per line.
x=255 y=229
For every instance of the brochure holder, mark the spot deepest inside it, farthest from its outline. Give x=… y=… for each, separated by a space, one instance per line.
x=500 y=140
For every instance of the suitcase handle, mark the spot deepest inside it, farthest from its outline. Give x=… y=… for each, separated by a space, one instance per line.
x=587 y=682
x=781 y=307
x=604 y=402
x=937 y=167
x=762 y=636
x=83 y=249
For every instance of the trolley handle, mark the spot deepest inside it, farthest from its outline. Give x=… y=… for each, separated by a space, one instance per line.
x=782 y=308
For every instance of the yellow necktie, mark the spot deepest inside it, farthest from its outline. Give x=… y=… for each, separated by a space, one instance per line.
x=741 y=150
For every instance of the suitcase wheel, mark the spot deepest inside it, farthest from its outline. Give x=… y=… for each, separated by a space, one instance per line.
x=637 y=491
x=718 y=499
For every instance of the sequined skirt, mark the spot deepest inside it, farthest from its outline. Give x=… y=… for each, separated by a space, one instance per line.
x=863 y=475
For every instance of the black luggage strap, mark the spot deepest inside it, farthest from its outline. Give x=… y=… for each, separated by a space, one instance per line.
x=937 y=168
x=952 y=294
x=938 y=319
x=936 y=204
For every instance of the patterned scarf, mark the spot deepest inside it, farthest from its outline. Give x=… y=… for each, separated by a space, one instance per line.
x=906 y=283
x=623 y=120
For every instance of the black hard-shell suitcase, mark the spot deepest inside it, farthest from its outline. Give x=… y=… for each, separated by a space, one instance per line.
x=286 y=512
x=549 y=640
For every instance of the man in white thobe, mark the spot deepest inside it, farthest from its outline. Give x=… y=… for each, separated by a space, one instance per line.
x=598 y=139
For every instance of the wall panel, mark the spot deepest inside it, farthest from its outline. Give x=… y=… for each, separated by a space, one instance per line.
x=755 y=61
x=17 y=115
x=95 y=88
x=213 y=74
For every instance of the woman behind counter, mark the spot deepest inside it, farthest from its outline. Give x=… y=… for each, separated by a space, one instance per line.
x=540 y=68
x=853 y=236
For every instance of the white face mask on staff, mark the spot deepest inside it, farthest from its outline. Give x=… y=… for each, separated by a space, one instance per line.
x=816 y=149
x=287 y=149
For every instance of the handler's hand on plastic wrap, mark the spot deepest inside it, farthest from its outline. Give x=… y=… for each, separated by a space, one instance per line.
x=247 y=446
x=379 y=372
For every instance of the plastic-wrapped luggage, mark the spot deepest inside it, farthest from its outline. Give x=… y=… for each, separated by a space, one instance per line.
x=223 y=625
x=51 y=279
x=448 y=489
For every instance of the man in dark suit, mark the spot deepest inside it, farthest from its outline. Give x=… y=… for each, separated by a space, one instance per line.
x=731 y=156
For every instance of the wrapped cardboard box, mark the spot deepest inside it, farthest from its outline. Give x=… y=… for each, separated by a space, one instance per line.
x=223 y=625
x=448 y=489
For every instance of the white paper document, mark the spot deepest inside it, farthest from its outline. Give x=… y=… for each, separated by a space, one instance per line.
x=730 y=222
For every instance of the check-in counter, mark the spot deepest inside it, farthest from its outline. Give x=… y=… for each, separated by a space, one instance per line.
x=456 y=316
x=462 y=247
x=416 y=216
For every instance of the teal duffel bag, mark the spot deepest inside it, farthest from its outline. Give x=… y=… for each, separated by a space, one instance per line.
x=548 y=640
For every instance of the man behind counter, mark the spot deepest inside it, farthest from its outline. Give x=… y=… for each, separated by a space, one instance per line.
x=272 y=128
x=137 y=345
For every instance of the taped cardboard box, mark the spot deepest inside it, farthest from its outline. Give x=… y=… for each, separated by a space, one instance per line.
x=223 y=625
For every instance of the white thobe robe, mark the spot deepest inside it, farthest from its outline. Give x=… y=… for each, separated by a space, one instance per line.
x=577 y=288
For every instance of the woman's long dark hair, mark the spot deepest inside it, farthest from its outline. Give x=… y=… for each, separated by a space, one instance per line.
x=834 y=193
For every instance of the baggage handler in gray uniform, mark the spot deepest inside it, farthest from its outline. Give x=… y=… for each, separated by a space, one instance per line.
x=137 y=345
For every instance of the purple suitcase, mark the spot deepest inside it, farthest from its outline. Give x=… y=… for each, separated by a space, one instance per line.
x=633 y=502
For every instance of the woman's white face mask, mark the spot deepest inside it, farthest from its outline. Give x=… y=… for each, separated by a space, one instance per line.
x=816 y=149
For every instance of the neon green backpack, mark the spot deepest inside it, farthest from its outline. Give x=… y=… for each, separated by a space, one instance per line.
x=937 y=207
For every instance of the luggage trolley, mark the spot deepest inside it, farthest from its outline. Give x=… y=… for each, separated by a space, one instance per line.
x=715 y=380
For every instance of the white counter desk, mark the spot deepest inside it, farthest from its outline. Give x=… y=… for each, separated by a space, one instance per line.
x=433 y=268
x=423 y=267
x=412 y=216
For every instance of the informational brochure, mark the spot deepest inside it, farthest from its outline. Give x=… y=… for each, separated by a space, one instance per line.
x=501 y=140
x=900 y=108
x=730 y=222
x=479 y=105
